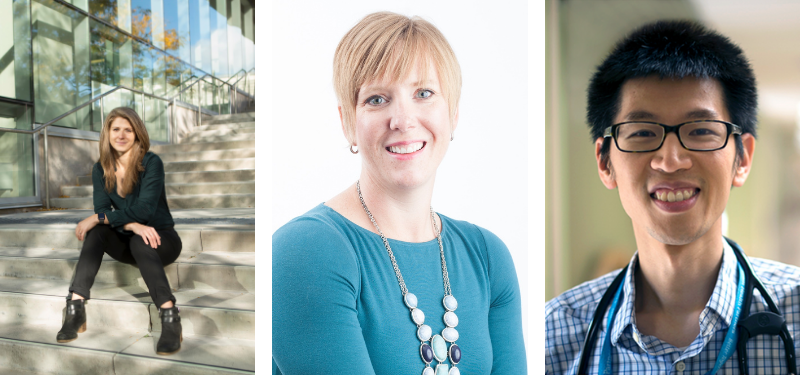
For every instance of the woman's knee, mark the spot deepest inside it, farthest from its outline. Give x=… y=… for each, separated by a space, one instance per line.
x=165 y=251
x=99 y=232
x=96 y=238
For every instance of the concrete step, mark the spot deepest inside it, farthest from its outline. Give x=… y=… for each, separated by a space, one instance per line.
x=239 y=175
x=209 y=165
x=13 y=371
x=173 y=189
x=195 y=238
x=33 y=348
x=217 y=138
x=213 y=281
x=188 y=147
x=235 y=305
x=232 y=125
x=225 y=119
x=219 y=134
x=221 y=129
x=212 y=270
x=235 y=153
x=203 y=312
x=176 y=201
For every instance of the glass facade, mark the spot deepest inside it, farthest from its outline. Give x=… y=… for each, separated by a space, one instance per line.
x=56 y=55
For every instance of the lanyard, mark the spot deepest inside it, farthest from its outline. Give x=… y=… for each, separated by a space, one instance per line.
x=728 y=345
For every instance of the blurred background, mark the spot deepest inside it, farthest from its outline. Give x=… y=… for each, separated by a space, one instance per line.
x=587 y=231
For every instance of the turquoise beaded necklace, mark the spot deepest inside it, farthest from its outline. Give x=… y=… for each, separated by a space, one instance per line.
x=437 y=349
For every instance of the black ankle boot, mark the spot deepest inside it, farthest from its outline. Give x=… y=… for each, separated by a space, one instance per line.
x=171 y=335
x=74 y=322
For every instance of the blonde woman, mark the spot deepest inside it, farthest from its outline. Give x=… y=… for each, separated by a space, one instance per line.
x=373 y=281
x=138 y=231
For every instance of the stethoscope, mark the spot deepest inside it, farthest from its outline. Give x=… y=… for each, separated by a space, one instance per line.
x=766 y=322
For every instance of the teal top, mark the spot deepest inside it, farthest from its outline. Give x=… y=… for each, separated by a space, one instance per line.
x=337 y=307
x=146 y=204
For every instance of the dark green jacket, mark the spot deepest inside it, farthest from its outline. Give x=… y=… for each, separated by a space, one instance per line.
x=146 y=204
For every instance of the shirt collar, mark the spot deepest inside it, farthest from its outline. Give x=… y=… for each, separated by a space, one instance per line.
x=719 y=308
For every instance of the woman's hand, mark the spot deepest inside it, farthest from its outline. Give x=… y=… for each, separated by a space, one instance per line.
x=149 y=234
x=85 y=226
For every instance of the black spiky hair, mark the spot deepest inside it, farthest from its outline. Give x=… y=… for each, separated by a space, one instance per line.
x=673 y=49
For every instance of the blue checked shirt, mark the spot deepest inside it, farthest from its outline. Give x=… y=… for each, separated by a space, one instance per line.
x=567 y=319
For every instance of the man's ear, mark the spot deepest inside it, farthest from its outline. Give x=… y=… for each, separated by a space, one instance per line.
x=604 y=166
x=746 y=161
x=352 y=142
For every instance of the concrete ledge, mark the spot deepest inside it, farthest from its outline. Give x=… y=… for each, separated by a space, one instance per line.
x=228 y=125
x=36 y=357
x=197 y=354
x=217 y=138
x=138 y=314
x=242 y=175
x=195 y=238
x=196 y=188
x=111 y=271
x=237 y=117
x=125 y=353
x=101 y=315
x=234 y=153
x=188 y=147
x=209 y=165
x=201 y=298
x=232 y=278
x=226 y=323
x=220 y=130
x=175 y=201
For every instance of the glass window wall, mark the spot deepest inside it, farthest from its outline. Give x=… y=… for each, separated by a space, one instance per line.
x=218 y=22
x=15 y=49
x=56 y=58
x=176 y=29
x=61 y=63
x=115 y=12
x=17 y=178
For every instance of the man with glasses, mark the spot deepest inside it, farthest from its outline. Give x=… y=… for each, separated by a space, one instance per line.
x=672 y=112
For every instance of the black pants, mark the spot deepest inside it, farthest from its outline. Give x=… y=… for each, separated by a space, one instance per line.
x=131 y=250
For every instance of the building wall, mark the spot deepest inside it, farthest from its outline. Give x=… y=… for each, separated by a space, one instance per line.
x=70 y=158
x=56 y=55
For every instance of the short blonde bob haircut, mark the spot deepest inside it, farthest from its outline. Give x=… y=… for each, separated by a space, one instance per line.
x=387 y=45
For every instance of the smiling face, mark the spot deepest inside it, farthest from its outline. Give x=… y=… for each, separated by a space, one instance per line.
x=402 y=129
x=121 y=135
x=697 y=183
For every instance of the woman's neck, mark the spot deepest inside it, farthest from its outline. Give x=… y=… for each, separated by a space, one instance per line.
x=123 y=159
x=402 y=214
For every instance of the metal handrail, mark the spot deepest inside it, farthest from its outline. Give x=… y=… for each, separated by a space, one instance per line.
x=235 y=88
x=236 y=75
x=171 y=101
x=76 y=109
x=188 y=87
x=247 y=73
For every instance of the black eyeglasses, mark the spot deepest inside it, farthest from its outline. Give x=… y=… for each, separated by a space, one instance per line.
x=646 y=136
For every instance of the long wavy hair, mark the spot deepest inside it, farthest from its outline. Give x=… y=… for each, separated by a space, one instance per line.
x=108 y=156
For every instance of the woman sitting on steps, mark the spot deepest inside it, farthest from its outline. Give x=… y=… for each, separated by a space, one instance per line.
x=138 y=231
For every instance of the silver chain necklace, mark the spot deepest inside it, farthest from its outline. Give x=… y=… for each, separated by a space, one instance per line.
x=437 y=349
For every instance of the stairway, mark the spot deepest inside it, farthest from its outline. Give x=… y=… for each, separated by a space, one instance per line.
x=214 y=166
x=213 y=280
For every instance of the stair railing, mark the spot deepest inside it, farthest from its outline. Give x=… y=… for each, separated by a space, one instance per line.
x=235 y=87
x=170 y=132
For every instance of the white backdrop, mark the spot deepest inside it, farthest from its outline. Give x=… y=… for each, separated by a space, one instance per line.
x=484 y=176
